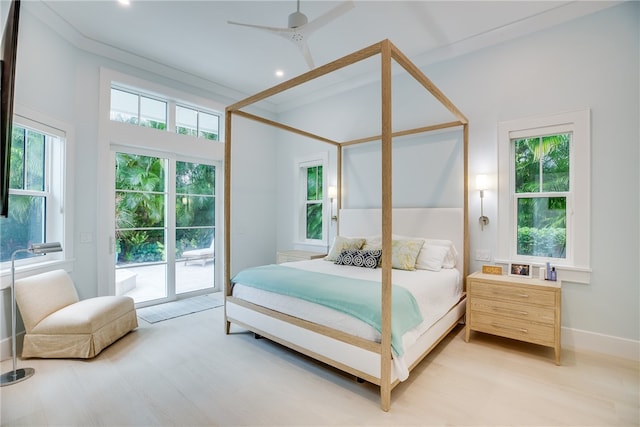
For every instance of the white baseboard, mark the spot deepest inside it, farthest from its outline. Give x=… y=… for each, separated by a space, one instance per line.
x=574 y=339
x=594 y=342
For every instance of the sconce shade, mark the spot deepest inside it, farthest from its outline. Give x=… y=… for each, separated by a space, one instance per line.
x=332 y=192
x=481 y=182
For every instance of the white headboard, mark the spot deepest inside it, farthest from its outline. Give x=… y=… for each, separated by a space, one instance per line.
x=432 y=223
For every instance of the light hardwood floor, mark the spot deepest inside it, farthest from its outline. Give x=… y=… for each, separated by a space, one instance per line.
x=186 y=372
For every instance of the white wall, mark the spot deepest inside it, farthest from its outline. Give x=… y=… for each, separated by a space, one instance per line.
x=588 y=63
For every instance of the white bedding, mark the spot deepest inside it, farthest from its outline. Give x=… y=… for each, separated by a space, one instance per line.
x=435 y=293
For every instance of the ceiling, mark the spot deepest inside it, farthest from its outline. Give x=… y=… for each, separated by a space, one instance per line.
x=194 y=37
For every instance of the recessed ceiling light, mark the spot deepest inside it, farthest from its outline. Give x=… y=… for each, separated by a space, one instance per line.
x=124 y=2
x=279 y=73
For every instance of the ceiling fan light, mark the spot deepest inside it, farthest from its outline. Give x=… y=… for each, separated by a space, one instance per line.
x=297 y=19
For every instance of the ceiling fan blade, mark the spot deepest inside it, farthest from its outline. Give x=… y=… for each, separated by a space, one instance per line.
x=277 y=30
x=327 y=17
x=304 y=49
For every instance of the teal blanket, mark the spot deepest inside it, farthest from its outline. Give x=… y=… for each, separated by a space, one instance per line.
x=356 y=297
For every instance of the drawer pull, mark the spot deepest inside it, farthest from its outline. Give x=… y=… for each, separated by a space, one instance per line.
x=497 y=325
x=508 y=310
x=510 y=294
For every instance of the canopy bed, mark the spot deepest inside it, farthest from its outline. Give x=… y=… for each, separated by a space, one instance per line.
x=383 y=350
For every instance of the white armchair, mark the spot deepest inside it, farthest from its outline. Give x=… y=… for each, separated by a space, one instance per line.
x=59 y=325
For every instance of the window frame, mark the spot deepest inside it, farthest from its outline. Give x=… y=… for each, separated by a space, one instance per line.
x=139 y=118
x=171 y=111
x=576 y=266
x=58 y=218
x=115 y=135
x=302 y=165
x=199 y=111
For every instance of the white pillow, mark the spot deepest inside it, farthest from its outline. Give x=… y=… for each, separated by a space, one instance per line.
x=452 y=254
x=431 y=257
x=372 y=243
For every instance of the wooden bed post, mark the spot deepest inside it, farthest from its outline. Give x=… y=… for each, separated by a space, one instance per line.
x=387 y=221
x=227 y=213
x=338 y=188
x=465 y=255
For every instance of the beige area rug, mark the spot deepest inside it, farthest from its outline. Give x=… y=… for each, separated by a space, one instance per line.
x=170 y=310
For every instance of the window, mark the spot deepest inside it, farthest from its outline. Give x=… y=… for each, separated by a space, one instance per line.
x=544 y=192
x=196 y=123
x=312 y=220
x=129 y=107
x=35 y=189
x=313 y=203
x=542 y=187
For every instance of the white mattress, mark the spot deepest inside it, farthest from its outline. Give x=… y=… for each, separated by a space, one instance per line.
x=435 y=293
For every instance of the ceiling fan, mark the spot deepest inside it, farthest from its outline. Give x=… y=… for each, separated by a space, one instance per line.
x=299 y=28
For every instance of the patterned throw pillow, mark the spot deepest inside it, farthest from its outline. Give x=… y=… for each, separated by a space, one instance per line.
x=404 y=253
x=359 y=258
x=342 y=243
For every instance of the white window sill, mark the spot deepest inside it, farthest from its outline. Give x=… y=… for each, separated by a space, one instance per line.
x=566 y=273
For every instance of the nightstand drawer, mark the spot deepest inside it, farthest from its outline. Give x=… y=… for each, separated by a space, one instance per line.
x=514 y=310
x=512 y=328
x=513 y=293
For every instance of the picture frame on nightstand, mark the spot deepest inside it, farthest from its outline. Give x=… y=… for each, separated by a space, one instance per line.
x=520 y=270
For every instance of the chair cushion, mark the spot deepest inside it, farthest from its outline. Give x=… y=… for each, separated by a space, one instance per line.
x=40 y=295
x=86 y=316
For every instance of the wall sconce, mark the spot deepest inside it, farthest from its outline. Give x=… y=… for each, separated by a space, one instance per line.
x=481 y=185
x=17 y=375
x=332 y=192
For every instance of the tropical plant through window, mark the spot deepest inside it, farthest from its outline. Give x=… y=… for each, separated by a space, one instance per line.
x=27 y=196
x=140 y=208
x=542 y=188
x=195 y=206
x=314 y=203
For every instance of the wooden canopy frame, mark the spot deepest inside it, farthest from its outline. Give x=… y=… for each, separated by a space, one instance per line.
x=388 y=53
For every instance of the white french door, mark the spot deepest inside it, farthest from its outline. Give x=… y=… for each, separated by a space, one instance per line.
x=165 y=225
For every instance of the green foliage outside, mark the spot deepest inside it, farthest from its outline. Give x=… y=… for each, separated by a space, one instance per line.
x=140 y=207
x=183 y=130
x=541 y=185
x=25 y=223
x=314 y=210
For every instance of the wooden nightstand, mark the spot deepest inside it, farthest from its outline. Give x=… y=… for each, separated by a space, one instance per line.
x=295 y=255
x=523 y=309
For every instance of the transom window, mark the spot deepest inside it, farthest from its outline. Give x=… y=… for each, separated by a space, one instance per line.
x=127 y=106
x=190 y=121
x=136 y=109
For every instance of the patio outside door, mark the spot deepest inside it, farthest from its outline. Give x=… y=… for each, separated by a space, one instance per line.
x=165 y=228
